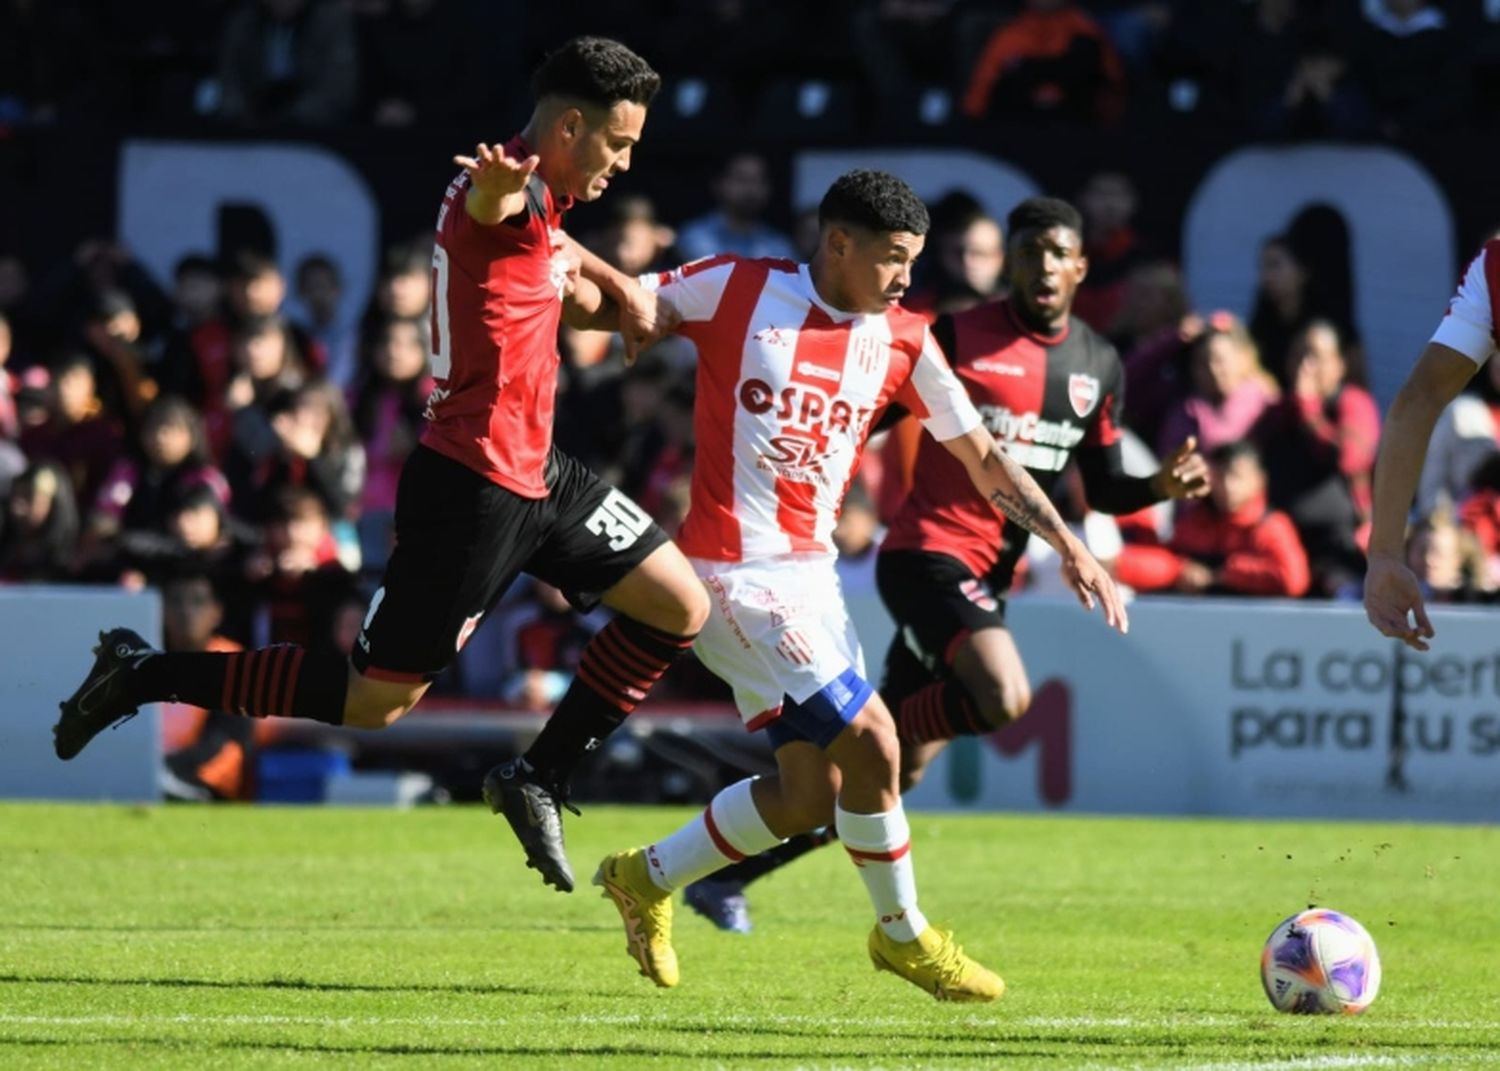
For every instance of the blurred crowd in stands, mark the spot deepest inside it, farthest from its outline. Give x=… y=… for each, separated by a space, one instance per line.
x=234 y=434
x=1268 y=67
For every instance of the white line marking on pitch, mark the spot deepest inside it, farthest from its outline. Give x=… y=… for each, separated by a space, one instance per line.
x=998 y=1025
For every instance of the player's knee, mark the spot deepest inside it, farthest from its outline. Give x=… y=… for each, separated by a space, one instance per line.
x=1002 y=702
x=811 y=807
x=378 y=708
x=694 y=610
x=878 y=749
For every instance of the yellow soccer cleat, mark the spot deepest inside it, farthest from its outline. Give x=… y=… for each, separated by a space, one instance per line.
x=647 y=912
x=935 y=963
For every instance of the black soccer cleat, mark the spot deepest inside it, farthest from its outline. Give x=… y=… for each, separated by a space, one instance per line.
x=103 y=699
x=534 y=811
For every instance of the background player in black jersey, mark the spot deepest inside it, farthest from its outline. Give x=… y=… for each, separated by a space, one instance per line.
x=1050 y=390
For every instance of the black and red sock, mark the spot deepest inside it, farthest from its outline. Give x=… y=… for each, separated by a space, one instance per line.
x=618 y=669
x=283 y=680
x=939 y=711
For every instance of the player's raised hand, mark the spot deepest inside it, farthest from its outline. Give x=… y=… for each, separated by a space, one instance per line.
x=494 y=173
x=1393 y=600
x=1184 y=474
x=1091 y=582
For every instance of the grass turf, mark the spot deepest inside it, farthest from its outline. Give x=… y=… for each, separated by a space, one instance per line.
x=255 y=937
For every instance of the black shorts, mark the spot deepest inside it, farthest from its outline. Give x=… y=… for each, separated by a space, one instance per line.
x=936 y=602
x=461 y=540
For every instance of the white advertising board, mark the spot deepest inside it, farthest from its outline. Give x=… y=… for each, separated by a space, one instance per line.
x=46 y=634
x=1234 y=708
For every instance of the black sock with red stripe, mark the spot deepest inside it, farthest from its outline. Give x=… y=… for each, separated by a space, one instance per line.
x=286 y=680
x=618 y=668
x=939 y=711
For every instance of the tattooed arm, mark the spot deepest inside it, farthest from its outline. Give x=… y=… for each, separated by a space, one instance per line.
x=1010 y=489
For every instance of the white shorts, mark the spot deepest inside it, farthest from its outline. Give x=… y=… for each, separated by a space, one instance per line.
x=776 y=627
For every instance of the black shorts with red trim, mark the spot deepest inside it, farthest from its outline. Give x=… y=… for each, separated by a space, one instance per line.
x=461 y=541
x=936 y=602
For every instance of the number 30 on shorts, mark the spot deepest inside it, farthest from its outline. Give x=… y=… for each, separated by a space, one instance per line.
x=618 y=519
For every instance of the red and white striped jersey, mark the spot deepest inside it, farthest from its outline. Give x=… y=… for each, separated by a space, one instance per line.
x=788 y=387
x=1472 y=326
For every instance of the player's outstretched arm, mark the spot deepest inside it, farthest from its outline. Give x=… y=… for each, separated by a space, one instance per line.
x=497 y=184
x=1010 y=489
x=636 y=314
x=1393 y=598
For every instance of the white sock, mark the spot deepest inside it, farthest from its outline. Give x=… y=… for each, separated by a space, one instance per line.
x=728 y=830
x=880 y=846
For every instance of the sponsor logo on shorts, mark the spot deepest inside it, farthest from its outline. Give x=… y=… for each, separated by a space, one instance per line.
x=975 y=592
x=795 y=647
x=467 y=630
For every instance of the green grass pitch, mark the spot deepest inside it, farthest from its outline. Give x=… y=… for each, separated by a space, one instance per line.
x=219 y=937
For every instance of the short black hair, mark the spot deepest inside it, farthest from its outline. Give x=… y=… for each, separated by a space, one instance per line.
x=1226 y=454
x=195 y=264
x=875 y=200
x=597 y=71
x=247 y=264
x=315 y=262
x=1042 y=214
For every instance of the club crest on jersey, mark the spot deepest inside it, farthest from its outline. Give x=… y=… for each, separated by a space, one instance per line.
x=1083 y=393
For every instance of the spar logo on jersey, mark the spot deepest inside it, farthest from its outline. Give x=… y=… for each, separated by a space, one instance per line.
x=1083 y=393
x=805 y=406
x=1009 y=426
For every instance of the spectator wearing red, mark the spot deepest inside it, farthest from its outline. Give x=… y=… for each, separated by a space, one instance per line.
x=76 y=430
x=197 y=360
x=301 y=586
x=1051 y=60
x=1108 y=201
x=1232 y=543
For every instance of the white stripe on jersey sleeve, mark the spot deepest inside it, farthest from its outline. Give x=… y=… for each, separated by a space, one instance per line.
x=950 y=414
x=1469 y=326
x=694 y=289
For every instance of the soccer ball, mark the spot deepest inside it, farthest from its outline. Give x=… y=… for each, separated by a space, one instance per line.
x=1319 y=961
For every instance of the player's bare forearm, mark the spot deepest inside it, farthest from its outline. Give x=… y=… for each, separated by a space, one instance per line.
x=1009 y=488
x=587 y=308
x=1437 y=379
x=599 y=271
x=490 y=208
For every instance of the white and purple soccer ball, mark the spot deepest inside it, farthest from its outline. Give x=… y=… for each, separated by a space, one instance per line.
x=1320 y=962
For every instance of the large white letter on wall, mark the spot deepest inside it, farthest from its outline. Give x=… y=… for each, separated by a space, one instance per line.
x=171 y=192
x=1401 y=236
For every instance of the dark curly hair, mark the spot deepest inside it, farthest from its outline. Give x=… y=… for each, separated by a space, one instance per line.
x=1042 y=214
x=875 y=200
x=597 y=71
